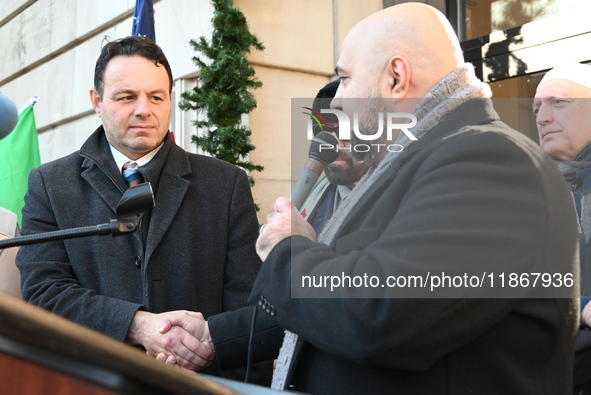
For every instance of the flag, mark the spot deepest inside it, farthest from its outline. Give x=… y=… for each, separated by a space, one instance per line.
x=143 y=19
x=19 y=153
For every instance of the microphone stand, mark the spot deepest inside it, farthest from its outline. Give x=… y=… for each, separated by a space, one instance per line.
x=132 y=206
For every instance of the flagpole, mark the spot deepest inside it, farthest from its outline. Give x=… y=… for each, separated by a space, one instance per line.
x=29 y=103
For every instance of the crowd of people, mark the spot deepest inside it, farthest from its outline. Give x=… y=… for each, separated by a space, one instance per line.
x=467 y=194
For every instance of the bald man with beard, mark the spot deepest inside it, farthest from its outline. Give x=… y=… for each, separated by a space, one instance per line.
x=467 y=194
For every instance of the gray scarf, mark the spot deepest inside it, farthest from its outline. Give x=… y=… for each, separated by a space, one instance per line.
x=446 y=96
x=569 y=169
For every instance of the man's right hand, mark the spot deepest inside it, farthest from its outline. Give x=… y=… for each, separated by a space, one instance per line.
x=190 y=350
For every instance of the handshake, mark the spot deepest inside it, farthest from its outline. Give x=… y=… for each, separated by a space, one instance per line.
x=182 y=337
x=178 y=338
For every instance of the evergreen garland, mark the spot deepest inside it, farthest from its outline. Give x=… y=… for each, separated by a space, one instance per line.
x=225 y=90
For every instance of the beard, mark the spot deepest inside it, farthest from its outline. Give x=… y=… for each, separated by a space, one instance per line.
x=348 y=174
x=368 y=125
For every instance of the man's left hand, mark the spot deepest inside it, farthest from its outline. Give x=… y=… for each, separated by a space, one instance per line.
x=285 y=221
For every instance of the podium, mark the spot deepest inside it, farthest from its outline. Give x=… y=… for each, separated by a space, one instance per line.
x=43 y=353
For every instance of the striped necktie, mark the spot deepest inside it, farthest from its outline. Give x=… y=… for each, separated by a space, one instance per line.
x=131 y=174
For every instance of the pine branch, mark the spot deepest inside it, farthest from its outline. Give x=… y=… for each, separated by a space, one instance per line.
x=225 y=92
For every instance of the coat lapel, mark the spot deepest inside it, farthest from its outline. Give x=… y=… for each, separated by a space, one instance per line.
x=170 y=190
x=166 y=172
x=100 y=171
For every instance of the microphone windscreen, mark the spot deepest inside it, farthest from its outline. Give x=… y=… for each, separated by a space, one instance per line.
x=8 y=116
x=324 y=148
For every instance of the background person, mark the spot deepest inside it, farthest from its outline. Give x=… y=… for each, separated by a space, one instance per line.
x=341 y=176
x=470 y=193
x=9 y=275
x=562 y=107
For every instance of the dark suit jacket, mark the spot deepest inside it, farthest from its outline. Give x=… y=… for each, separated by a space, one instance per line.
x=324 y=207
x=470 y=193
x=195 y=250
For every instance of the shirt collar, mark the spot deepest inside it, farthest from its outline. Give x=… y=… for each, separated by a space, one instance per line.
x=121 y=159
x=344 y=191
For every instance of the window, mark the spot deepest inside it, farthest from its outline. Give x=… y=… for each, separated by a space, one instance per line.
x=182 y=121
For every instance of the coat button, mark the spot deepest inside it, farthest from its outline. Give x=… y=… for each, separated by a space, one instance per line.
x=138 y=261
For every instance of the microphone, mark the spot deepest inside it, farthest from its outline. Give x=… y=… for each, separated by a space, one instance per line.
x=136 y=200
x=8 y=116
x=323 y=150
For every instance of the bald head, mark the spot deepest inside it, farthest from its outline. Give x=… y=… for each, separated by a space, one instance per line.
x=411 y=44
